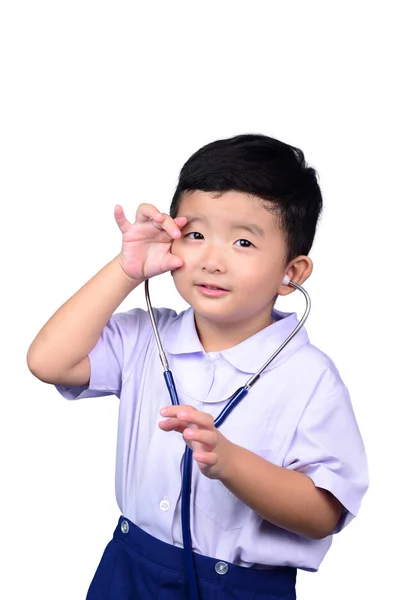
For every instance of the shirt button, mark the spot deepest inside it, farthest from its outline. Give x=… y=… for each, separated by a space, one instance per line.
x=164 y=505
x=221 y=567
x=124 y=526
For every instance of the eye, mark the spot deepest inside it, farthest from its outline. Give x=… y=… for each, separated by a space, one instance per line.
x=194 y=235
x=244 y=243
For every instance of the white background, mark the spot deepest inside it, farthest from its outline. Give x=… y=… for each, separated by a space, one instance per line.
x=101 y=103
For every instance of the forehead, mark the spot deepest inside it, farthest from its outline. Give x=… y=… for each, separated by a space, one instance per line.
x=229 y=207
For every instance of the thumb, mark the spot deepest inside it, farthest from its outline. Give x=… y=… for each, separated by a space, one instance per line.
x=174 y=262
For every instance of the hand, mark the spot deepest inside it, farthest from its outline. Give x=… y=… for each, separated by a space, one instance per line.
x=146 y=243
x=211 y=450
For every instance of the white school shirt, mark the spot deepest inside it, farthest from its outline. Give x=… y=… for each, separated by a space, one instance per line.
x=298 y=415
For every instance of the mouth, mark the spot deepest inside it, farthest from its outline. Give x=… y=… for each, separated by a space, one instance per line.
x=211 y=291
x=210 y=286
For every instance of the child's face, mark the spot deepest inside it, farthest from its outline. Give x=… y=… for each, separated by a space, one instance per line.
x=234 y=243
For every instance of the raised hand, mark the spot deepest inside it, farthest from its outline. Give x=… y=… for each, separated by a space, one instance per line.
x=146 y=243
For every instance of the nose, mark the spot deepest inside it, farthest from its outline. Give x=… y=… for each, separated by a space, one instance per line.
x=213 y=260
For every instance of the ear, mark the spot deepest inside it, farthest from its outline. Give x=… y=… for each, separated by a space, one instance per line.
x=298 y=270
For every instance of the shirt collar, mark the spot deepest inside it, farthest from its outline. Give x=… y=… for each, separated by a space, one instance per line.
x=248 y=356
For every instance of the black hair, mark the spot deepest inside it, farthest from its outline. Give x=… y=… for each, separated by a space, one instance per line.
x=265 y=168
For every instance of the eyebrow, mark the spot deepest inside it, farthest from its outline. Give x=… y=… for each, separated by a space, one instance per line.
x=250 y=227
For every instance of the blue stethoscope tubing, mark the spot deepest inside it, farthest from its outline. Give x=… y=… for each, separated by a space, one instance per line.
x=230 y=405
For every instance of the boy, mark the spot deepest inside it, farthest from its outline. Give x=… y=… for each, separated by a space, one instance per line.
x=287 y=469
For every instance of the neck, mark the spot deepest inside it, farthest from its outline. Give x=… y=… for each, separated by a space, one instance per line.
x=216 y=336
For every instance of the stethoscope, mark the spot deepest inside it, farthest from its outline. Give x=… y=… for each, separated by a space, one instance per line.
x=231 y=403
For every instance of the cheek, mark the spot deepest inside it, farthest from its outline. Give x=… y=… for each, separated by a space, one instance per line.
x=258 y=279
x=253 y=272
x=189 y=256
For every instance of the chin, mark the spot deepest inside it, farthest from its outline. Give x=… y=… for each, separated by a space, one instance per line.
x=215 y=313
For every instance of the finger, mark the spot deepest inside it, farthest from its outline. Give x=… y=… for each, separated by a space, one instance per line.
x=170 y=262
x=147 y=212
x=181 y=222
x=172 y=425
x=205 y=437
x=170 y=226
x=121 y=219
x=205 y=459
x=199 y=418
x=163 y=221
x=172 y=410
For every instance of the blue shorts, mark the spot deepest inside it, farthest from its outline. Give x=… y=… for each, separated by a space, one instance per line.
x=137 y=566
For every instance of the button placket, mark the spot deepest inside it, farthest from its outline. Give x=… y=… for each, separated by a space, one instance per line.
x=164 y=505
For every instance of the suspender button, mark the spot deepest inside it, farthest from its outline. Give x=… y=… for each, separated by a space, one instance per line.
x=221 y=567
x=124 y=526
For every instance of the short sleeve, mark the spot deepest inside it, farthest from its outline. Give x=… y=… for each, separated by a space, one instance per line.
x=328 y=446
x=113 y=355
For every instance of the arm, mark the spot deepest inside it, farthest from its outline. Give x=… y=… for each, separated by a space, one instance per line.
x=288 y=499
x=58 y=354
